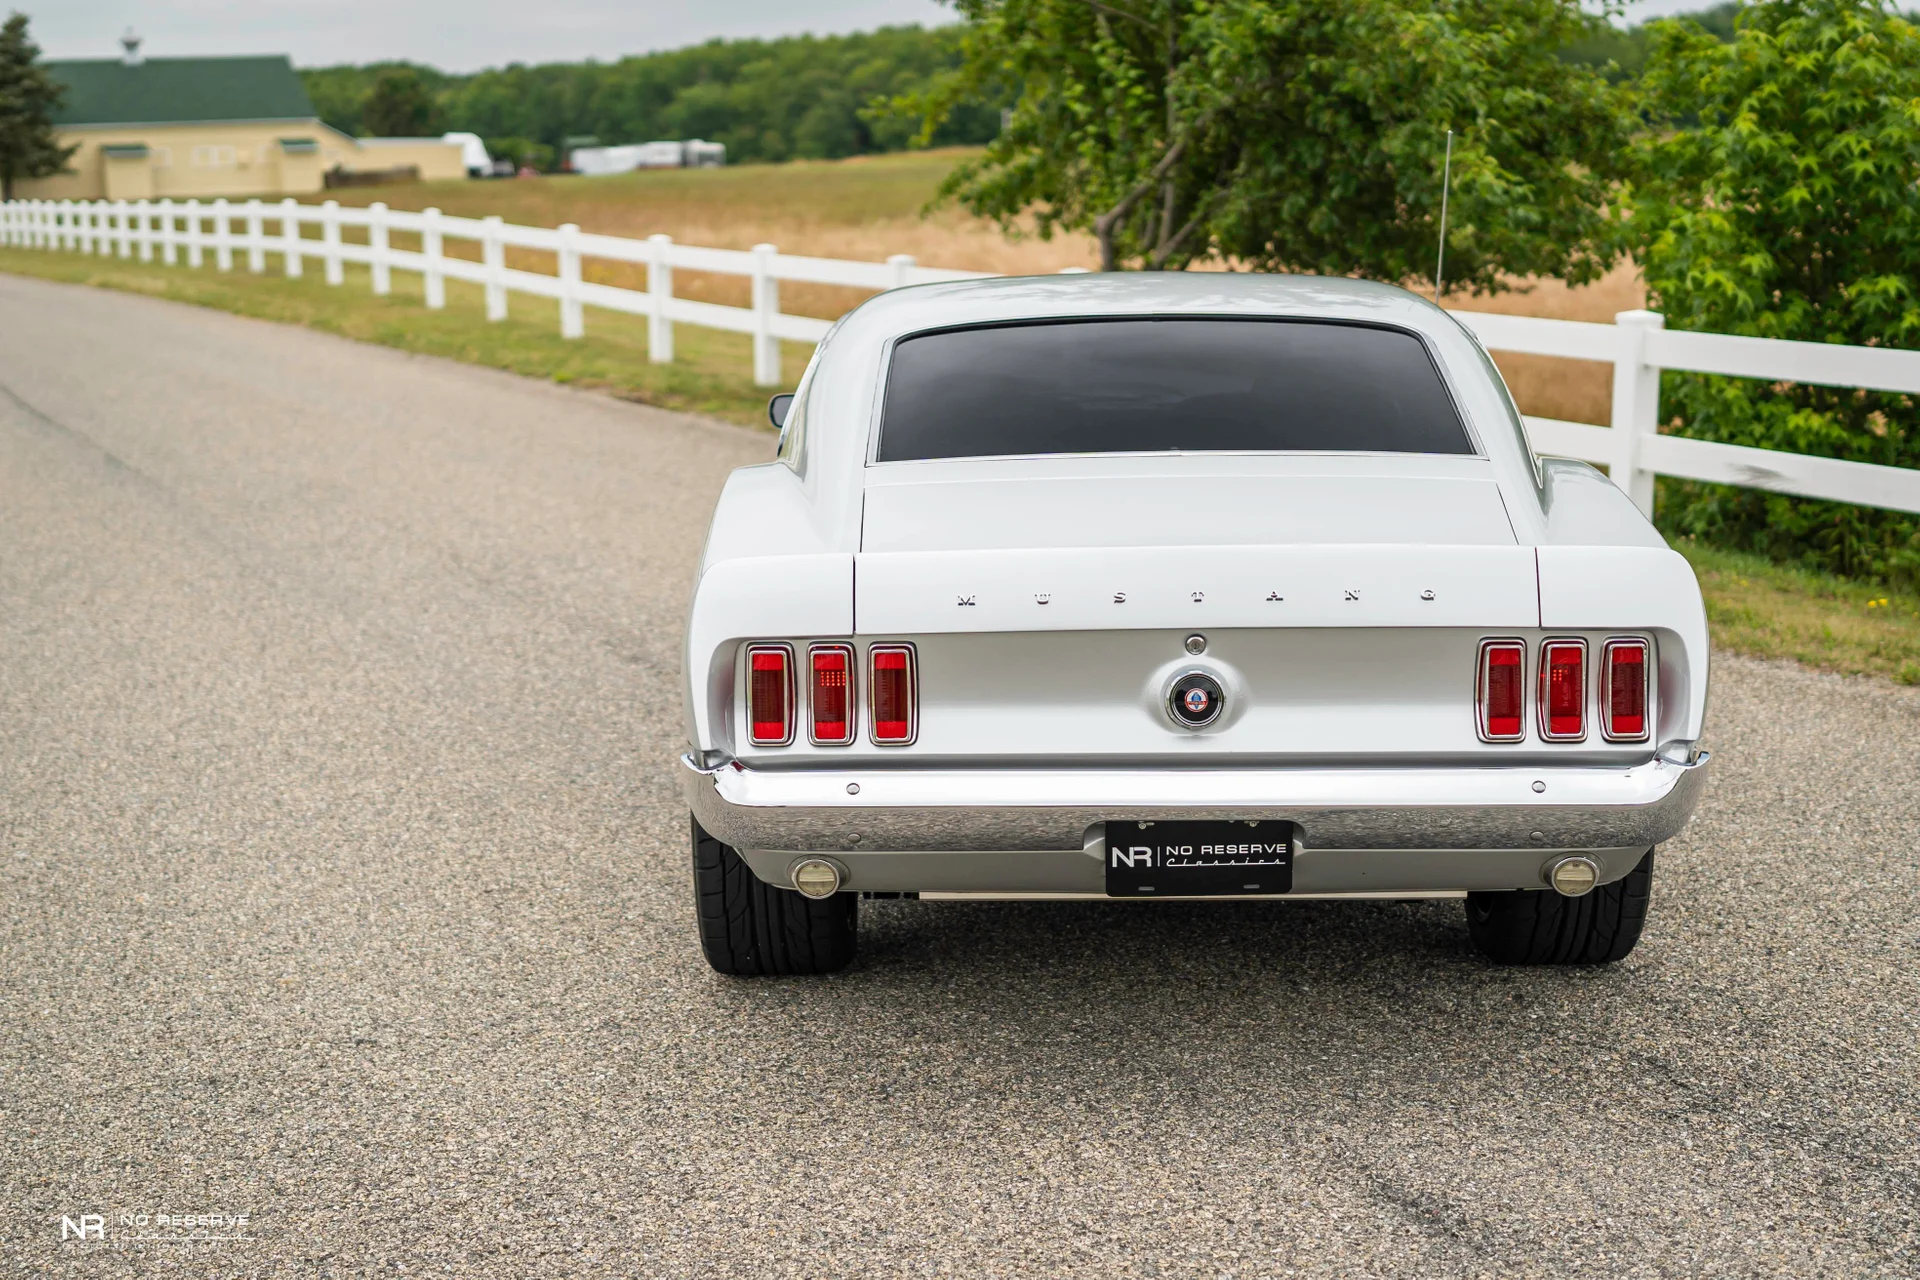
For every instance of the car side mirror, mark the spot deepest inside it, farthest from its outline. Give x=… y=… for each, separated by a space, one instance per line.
x=778 y=408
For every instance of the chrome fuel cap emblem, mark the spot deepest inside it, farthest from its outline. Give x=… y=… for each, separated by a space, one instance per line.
x=1195 y=700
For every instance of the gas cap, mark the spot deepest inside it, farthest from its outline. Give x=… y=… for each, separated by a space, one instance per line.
x=1195 y=700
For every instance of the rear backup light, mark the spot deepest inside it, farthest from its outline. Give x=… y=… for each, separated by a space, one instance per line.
x=1623 y=691
x=830 y=693
x=1563 y=690
x=769 y=695
x=891 y=694
x=1502 y=688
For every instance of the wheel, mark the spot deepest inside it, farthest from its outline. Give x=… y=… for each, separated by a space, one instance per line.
x=748 y=928
x=1539 y=926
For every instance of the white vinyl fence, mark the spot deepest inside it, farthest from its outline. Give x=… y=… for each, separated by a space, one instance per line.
x=1636 y=344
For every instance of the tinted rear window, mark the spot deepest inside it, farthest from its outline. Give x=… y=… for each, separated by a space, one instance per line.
x=1139 y=386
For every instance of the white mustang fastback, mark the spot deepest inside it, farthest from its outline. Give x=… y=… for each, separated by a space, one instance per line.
x=1179 y=586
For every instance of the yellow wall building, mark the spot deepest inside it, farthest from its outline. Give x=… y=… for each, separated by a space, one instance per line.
x=204 y=127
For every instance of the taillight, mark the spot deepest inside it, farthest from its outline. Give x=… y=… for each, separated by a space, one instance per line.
x=1563 y=690
x=890 y=693
x=831 y=694
x=1502 y=689
x=769 y=695
x=1623 y=684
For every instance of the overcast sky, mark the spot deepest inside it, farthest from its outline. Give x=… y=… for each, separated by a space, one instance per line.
x=465 y=35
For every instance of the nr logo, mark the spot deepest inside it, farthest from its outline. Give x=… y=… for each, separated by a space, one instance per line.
x=92 y=1226
x=1133 y=856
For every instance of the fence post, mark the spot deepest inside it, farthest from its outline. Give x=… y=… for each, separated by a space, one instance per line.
x=377 y=248
x=290 y=245
x=1636 y=405
x=435 y=282
x=80 y=219
x=766 y=304
x=196 y=239
x=222 y=235
x=330 y=240
x=898 y=266
x=143 y=228
x=660 y=286
x=123 y=228
x=572 y=323
x=493 y=256
x=169 y=243
x=256 y=239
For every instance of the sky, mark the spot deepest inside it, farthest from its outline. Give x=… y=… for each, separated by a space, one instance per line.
x=466 y=35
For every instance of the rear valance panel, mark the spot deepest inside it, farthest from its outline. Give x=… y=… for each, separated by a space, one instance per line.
x=1114 y=588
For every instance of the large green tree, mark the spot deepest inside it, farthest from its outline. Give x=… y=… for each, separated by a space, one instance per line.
x=1777 y=194
x=400 y=105
x=28 y=99
x=1298 y=134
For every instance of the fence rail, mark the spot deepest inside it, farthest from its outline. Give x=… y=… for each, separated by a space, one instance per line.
x=1637 y=344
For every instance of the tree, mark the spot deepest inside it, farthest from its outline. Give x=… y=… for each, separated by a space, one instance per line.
x=1297 y=134
x=399 y=106
x=28 y=98
x=1778 y=195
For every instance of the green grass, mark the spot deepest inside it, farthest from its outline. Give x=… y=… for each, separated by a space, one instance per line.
x=1753 y=605
x=1757 y=607
x=712 y=372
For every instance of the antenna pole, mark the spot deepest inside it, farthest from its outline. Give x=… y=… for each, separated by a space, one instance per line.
x=1446 y=182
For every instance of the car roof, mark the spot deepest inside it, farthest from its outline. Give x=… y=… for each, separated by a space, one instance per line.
x=1201 y=293
x=841 y=395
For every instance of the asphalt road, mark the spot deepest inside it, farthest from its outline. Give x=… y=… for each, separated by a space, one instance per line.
x=345 y=888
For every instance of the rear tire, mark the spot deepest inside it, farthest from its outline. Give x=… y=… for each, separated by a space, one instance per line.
x=749 y=928
x=1539 y=926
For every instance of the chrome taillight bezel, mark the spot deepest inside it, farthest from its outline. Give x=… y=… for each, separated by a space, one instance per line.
x=913 y=694
x=1604 y=692
x=1542 y=694
x=793 y=708
x=1483 y=669
x=853 y=695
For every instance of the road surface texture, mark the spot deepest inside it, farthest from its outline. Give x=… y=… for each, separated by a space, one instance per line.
x=346 y=889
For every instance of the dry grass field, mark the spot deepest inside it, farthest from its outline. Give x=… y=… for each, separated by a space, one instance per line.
x=871 y=207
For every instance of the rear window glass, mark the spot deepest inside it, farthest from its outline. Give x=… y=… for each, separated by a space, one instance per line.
x=1148 y=386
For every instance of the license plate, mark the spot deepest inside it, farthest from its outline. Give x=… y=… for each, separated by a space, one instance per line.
x=1198 y=859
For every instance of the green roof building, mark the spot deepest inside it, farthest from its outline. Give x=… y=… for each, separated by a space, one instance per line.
x=205 y=127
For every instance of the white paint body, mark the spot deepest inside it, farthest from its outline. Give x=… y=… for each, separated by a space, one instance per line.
x=1343 y=598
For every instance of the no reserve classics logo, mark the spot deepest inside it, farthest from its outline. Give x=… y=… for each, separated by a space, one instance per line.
x=141 y=1229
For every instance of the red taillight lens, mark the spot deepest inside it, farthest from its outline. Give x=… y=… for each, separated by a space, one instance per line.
x=1625 y=683
x=1563 y=690
x=1502 y=667
x=770 y=695
x=891 y=693
x=832 y=693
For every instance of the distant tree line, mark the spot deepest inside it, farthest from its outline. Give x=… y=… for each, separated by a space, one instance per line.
x=800 y=97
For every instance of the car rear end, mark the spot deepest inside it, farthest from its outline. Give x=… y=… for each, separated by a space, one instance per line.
x=1094 y=639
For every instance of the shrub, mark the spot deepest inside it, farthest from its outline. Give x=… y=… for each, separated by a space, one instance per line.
x=1778 y=194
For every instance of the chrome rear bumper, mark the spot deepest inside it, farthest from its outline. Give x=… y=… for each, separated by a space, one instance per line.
x=1418 y=828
